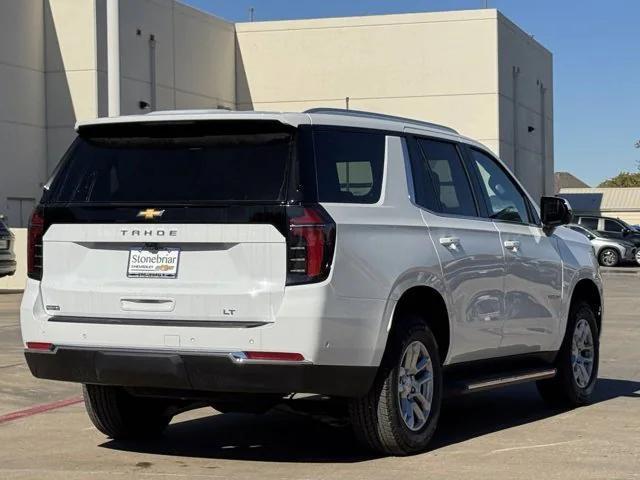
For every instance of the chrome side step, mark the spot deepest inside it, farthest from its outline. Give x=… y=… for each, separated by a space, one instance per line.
x=479 y=385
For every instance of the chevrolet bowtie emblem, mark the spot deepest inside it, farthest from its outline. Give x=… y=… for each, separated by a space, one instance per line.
x=150 y=213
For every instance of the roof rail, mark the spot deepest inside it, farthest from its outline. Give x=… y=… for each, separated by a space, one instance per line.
x=379 y=116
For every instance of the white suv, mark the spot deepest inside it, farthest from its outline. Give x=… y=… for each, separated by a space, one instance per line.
x=237 y=258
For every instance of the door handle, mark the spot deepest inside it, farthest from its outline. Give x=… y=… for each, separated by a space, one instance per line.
x=450 y=242
x=513 y=245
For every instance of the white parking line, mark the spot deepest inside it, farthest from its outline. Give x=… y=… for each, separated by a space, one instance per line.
x=527 y=447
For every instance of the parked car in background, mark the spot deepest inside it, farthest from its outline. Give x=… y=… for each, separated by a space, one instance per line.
x=610 y=251
x=612 y=228
x=7 y=257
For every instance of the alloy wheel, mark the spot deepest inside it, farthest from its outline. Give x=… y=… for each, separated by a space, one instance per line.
x=582 y=353
x=415 y=386
x=609 y=258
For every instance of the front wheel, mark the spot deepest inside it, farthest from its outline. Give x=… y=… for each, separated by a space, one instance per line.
x=400 y=413
x=608 y=257
x=577 y=361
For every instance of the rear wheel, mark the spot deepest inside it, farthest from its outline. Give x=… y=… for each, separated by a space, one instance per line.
x=400 y=413
x=608 y=257
x=577 y=361
x=120 y=415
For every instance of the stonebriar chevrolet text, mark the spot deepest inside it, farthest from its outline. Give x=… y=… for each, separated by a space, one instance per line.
x=242 y=259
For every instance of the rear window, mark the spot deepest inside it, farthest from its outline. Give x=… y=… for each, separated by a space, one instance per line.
x=156 y=166
x=349 y=165
x=589 y=222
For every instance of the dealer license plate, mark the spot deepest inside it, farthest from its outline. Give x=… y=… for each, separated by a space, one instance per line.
x=147 y=263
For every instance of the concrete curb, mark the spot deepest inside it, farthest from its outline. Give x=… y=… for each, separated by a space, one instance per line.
x=620 y=271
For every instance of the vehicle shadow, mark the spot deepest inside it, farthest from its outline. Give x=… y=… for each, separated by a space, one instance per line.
x=281 y=436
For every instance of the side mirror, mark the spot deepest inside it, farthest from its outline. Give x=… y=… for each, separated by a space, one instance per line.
x=555 y=211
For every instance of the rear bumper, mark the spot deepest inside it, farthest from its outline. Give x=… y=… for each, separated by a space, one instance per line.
x=201 y=372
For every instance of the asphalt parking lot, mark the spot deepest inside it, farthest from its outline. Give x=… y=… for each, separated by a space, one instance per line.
x=507 y=434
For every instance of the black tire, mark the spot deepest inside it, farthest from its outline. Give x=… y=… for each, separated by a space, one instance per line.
x=376 y=417
x=563 y=390
x=121 y=416
x=609 y=257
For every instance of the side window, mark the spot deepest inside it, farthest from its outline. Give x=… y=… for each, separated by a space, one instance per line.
x=581 y=230
x=446 y=188
x=590 y=223
x=613 y=226
x=349 y=165
x=504 y=199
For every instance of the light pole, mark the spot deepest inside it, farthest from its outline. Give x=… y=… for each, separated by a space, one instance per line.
x=113 y=57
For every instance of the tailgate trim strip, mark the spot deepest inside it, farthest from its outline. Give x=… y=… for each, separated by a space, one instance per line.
x=159 y=322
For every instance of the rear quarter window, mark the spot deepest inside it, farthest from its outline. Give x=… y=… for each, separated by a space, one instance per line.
x=349 y=165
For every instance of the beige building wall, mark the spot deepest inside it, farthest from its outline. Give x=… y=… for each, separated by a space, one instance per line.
x=532 y=85
x=441 y=67
x=72 y=70
x=194 y=57
x=194 y=62
x=22 y=108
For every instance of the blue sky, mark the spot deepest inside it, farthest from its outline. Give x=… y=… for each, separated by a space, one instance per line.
x=596 y=48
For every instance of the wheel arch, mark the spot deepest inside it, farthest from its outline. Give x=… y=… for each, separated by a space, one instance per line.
x=587 y=290
x=427 y=301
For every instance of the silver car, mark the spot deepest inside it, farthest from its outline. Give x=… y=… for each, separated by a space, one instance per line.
x=7 y=257
x=610 y=251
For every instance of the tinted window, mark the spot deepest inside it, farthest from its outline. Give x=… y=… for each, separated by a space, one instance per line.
x=175 y=169
x=582 y=231
x=504 y=199
x=349 y=166
x=445 y=179
x=613 y=226
x=589 y=222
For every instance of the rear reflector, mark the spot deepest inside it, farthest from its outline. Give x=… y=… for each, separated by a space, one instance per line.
x=40 y=346
x=276 y=356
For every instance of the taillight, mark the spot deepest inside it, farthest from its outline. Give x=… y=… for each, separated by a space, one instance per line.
x=310 y=244
x=34 y=245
